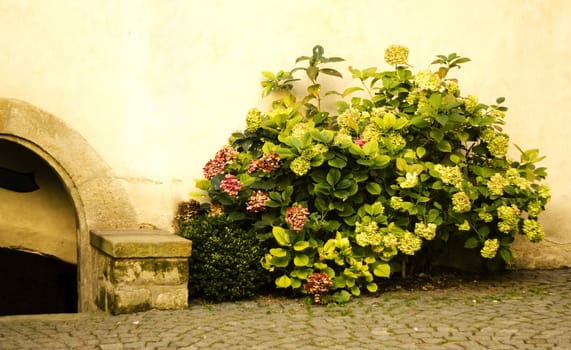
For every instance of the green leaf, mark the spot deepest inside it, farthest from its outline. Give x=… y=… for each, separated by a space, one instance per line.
x=279 y=252
x=442 y=119
x=420 y=151
x=333 y=177
x=202 y=184
x=436 y=135
x=373 y=188
x=301 y=260
x=301 y=245
x=372 y=287
x=341 y=296
x=283 y=281
x=444 y=146
x=330 y=71
x=382 y=270
x=471 y=243
x=281 y=235
x=312 y=72
x=435 y=100
x=507 y=255
x=337 y=162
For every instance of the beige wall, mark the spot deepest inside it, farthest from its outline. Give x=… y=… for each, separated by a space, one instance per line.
x=157 y=86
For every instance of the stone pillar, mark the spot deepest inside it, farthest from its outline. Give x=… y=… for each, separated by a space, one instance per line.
x=138 y=270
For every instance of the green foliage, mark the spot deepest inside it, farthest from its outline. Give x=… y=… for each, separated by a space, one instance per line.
x=407 y=166
x=225 y=261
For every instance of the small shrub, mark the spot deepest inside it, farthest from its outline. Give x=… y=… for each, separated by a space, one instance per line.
x=225 y=261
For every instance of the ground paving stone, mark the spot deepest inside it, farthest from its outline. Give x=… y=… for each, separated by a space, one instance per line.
x=518 y=310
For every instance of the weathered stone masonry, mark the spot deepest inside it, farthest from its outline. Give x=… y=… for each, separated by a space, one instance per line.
x=138 y=270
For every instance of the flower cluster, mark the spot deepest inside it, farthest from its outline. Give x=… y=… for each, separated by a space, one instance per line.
x=396 y=55
x=409 y=181
x=533 y=230
x=300 y=166
x=490 y=248
x=267 y=163
x=509 y=218
x=496 y=184
x=368 y=234
x=254 y=119
x=216 y=165
x=498 y=146
x=471 y=102
x=409 y=243
x=450 y=175
x=231 y=185
x=426 y=80
x=257 y=201
x=296 y=217
x=461 y=202
x=464 y=226
x=426 y=231
x=317 y=284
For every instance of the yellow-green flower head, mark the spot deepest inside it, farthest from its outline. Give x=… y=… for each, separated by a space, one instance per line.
x=410 y=181
x=396 y=55
x=371 y=132
x=394 y=141
x=544 y=192
x=300 y=129
x=378 y=112
x=396 y=202
x=488 y=135
x=461 y=202
x=513 y=176
x=415 y=95
x=533 y=230
x=349 y=119
x=343 y=137
x=314 y=150
x=254 y=119
x=471 y=102
x=509 y=218
x=490 y=248
x=426 y=231
x=498 y=146
x=450 y=175
x=452 y=87
x=426 y=80
x=485 y=217
x=390 y=240
x=368 y=234
x=300 y=166
x=534 y=208
x=496 y=184
x=409 y=243
x=465 y=226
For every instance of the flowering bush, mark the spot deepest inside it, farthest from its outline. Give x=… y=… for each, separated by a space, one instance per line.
x=406 y=166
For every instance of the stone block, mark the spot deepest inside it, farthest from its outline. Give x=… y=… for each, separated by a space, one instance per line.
x=129 y=300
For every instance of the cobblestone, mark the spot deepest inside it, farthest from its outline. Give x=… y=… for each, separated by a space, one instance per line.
x=518 y=310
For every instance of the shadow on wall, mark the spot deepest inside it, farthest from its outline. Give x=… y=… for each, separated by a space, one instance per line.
x=36 y=284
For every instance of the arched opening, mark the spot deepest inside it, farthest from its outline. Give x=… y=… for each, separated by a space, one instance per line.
x=88 y=192
x=38 y=236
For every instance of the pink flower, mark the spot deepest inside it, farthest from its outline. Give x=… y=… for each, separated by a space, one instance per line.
x=317 y=284
x=296 y=217
x=257 y=202
x=267 y=163
x=360 y=142
x=231 y=185
x=216 y=166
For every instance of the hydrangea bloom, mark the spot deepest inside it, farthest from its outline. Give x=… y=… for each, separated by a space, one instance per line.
x=296 y=217
x=486 y=217
x=409 y=181
x=257 y=201
x=426 y=231
x=544 y=192
x=394 y=141
x=509 y=218
x=496 y=184
x=396 y=202
x=450 y=175
x=471 y=102
x=216 y=209
x=216 y=165
x=409 y=243
x=490 y=248
x=461 y=202
x=231 y=185
x=533 y=230
x=267 y=163
x=300 y=166
x=368 y=234
x=396 y=55
x=465 y=226
x=534 y=208
x=254 y=119
x=498 y=146
x=426 y=80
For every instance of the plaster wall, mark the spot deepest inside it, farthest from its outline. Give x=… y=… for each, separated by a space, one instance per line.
x=156 y=87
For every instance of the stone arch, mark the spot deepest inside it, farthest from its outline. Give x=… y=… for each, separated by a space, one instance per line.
x=99 y=199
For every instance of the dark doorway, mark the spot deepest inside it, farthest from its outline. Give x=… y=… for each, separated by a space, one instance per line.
x=36 y=284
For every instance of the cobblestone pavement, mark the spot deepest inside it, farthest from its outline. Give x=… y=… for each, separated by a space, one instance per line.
x=519 y=310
